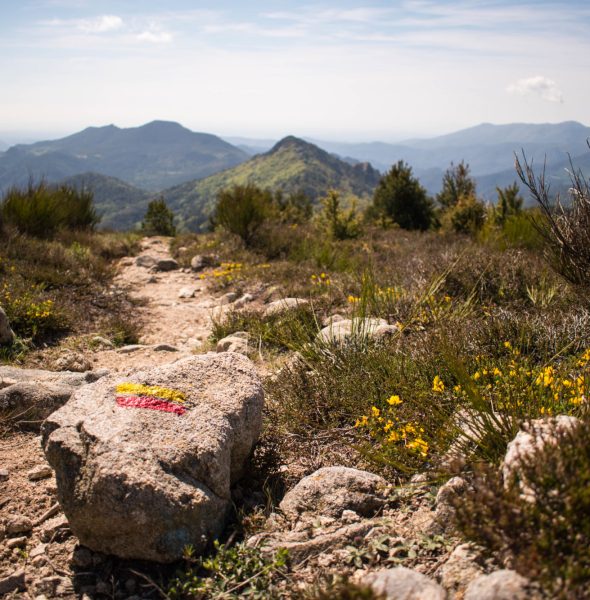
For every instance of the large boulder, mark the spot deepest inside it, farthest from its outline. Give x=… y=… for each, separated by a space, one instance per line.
x=27 y=396
x=144 y=484
x=6 y=333
x=332 y=490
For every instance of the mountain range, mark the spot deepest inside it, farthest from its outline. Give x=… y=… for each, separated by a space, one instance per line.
x=154 y=156
x=127 y=167
x=291 y=165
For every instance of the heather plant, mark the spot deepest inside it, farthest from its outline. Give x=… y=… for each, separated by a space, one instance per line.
x=565 y=229
x=545 y=534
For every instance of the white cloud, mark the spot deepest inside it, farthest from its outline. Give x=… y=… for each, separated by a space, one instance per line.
x=154 y=37
x=101 y=24
x=540 y=86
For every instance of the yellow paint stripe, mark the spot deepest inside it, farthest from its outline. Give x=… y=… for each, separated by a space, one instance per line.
x=151 y=390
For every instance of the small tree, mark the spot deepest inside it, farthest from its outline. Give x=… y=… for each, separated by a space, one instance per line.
x=456 y=184
x=399 y=197
x=242 y=210
x=341 y=224
x=467 y=216
x=159 y=219
x=509 y=203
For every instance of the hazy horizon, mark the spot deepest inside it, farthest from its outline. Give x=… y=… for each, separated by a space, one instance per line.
x=354 y=71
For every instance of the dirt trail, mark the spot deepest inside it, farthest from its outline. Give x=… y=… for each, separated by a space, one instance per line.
x=184 y=323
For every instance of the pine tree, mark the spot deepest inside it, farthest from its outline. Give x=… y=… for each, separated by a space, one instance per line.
x=159 y=219
x=399 y=197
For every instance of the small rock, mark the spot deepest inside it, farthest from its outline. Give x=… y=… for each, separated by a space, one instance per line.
x=165 y=348
x=460 y=569
x=13 y=582
x=202 y=261
x=332 y=490
x=38 y=550
x=341 y=331
x=18 y=524
x=17 y=542
x=446 y=499
x=6 y=333
x=145 y=261
x=332 y=319
x=243 y=300
x=349 y=516
x=40 y=472
x=55 y=528
x=283 y=305
x=4 y=475
x=82 y=557
x=227 y=298
x=152 y=279
x=232 y=343
x=404 y=584
x=72 y=361
x=501 y=585
x=100 y=341
x=166 y=264
x=187 y=292
x=130 y=348
x=530 y=440
x=127 y=261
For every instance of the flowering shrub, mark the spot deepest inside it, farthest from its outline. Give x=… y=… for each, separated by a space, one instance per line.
x=30 y=314
x=394 y=432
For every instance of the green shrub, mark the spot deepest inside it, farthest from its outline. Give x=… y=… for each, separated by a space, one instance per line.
x=456 y=184
x=159 y=219
x=42 y=210
x=286 y=330
x=230 y=572
x=466 y=216
x=340 y=224
x=547 y=539
x=242 y=209
x=400 y=198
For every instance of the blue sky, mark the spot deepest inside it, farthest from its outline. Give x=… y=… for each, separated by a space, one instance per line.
x=336 y=70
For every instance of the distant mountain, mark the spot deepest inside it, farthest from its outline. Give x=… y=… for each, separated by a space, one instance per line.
x=291 y=165
x=120 y=205
x=154 y=156
x=488 y=149
x=251 y=146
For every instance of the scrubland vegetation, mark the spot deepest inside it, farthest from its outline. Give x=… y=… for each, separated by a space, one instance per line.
x=493 y=332
x=55 y=269
x=492 y=324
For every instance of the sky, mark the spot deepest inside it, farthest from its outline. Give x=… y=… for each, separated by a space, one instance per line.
x=346 y=70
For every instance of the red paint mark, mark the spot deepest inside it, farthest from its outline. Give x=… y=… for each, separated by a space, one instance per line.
x=150 y=403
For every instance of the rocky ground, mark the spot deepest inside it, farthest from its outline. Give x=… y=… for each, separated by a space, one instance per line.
x=339 y=520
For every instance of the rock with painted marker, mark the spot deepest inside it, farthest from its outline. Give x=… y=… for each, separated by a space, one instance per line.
x=144 y=465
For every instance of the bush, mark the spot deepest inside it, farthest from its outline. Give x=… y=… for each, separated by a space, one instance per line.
x=456 y=184
x=466 y=216
x=400 y=198
x=230 y=572
x=547 y=539
x=159 y=219
x=340 y=224
x=566 y=231
x=242 y=209
x=42 y=210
